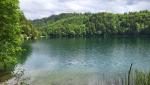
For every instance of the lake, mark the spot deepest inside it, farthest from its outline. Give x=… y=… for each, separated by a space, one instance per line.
x=84 y=61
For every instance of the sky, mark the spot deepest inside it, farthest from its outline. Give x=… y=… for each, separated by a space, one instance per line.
x=36 y=9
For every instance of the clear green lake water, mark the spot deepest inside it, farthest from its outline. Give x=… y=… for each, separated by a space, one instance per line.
x=84 y=61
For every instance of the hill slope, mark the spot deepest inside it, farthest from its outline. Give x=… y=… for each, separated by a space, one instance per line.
x=73 y=24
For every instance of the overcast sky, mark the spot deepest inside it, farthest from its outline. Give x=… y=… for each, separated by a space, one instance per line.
x=35 y=9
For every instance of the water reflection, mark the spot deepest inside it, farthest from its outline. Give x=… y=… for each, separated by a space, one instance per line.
x=85 y=61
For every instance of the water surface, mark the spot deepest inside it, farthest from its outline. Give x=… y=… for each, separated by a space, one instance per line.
x=84 y=61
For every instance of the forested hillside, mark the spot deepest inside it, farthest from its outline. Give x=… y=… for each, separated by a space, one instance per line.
x=73 y=24
x=28 y=30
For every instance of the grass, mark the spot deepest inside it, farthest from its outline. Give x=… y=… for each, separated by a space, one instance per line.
x=142 y=78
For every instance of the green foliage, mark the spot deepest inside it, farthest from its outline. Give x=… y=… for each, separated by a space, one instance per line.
x=27 y=29
x=10 y=32
x=73 y=24
x=13 y=28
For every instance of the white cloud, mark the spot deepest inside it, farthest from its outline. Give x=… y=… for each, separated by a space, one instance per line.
x=35 y=9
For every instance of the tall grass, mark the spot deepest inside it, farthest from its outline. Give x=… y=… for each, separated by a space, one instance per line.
x=142 y=78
